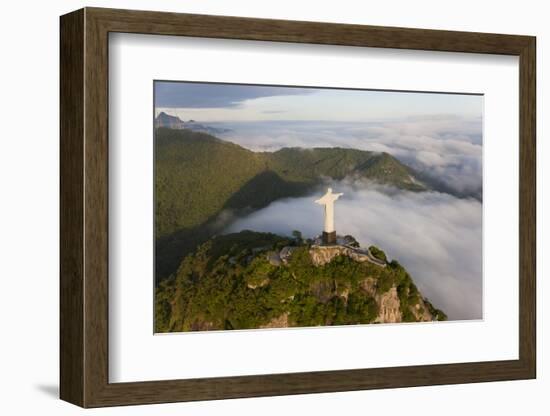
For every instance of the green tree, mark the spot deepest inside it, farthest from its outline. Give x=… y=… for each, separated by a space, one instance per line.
x=297 y=236
x=379 y=254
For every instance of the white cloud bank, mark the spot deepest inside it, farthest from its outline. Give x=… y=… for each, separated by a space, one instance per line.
x=445 y=147
x=435 y=236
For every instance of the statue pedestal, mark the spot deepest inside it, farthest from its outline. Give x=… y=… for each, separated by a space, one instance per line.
x=329 y=238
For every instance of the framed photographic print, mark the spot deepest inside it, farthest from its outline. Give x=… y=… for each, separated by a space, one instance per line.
x=255 y=207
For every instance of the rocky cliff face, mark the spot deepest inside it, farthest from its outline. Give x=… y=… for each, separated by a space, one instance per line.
x=389 y=302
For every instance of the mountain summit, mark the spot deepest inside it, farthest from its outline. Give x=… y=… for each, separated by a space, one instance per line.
x=168 y=121
x=261 y=280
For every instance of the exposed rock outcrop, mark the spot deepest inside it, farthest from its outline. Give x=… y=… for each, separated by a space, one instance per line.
x=257 y=283
x=390 y=305
x=279 y=322
x=422 y=312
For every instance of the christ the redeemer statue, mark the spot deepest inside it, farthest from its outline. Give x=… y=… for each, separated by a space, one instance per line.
x=329 y=233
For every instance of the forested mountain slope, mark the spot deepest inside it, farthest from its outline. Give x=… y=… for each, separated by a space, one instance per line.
x=238 y=281
x=198 y=177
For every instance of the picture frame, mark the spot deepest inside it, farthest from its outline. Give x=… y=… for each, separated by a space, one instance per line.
x=84 y=216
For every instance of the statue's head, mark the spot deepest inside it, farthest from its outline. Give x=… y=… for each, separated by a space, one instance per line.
x=329 y=190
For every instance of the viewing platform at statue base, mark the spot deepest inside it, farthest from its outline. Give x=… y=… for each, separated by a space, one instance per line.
x=322 y=253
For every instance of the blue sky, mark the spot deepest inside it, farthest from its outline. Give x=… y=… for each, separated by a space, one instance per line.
x=233 y=102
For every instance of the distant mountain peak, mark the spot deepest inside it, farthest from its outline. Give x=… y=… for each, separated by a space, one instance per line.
x=166 y=120
x=174 y=122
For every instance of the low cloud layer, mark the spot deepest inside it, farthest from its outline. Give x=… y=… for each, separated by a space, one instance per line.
x=444 y=147
x=436 y=236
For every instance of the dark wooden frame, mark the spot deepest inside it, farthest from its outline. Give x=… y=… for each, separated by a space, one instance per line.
x=84 y=208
